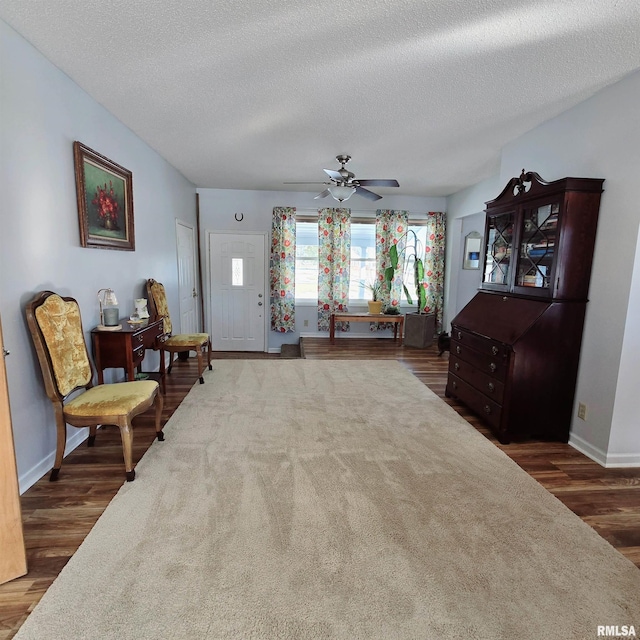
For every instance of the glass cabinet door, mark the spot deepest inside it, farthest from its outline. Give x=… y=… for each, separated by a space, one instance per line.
x=499 y=244
x=537 y=247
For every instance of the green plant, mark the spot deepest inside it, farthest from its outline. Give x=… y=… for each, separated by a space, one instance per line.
x=412 y=256
x=376 y=289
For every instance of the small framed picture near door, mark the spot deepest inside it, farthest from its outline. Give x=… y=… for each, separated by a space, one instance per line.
x=105 y=201
x=472 y=246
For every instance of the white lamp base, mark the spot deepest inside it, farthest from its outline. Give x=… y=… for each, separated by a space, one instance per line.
x=102 y=327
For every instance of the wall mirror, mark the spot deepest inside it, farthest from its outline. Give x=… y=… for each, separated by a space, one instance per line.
x=472 y=246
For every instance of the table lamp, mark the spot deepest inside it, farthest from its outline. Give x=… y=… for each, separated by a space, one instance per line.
x=109 y=312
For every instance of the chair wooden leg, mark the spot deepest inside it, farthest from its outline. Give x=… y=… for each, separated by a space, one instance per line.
x=209 y=355
x=126 y=433
x=61 y=441
x=170 y=361
x=159 y=404
x=92 y=435
x=200 y=364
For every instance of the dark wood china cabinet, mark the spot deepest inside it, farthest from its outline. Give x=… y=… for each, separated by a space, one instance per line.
x=515 y=346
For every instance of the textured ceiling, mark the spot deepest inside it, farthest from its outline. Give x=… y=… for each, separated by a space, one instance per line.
x=247 y=95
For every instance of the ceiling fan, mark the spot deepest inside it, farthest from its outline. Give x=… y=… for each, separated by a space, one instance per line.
x=344 y=184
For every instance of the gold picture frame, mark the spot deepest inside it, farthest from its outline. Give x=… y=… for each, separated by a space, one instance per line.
x=105 y=201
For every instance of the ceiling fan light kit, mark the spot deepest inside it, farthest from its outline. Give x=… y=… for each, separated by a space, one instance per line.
x=344 y=183
x=341 y=193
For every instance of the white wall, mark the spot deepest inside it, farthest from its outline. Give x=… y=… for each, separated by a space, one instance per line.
x=599 y=138
x=217 y=213
x=462 y=206
x=43 y=112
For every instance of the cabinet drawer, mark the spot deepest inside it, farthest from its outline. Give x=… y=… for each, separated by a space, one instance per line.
x=490 y=386
x=479 y=343
x=479 y=403
x=146 y=337
x=494 y=366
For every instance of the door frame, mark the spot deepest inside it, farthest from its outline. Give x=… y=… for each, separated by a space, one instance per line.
x=197 y=284
x=267 y=292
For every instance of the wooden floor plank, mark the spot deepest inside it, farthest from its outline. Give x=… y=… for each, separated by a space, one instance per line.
x=57 y=516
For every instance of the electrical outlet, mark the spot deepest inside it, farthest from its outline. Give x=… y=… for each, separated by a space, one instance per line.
x=582 y=411
x=306 y=323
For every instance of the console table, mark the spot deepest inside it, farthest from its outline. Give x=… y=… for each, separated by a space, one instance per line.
x=125 y=348
x=397 y=320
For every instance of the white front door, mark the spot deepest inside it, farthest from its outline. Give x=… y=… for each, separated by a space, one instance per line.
x=187 y=288
x=238 y=306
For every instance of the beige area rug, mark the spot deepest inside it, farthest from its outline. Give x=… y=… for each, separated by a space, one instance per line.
x=333 y=499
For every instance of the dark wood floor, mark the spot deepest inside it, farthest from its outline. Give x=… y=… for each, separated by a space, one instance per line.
x=58 y=516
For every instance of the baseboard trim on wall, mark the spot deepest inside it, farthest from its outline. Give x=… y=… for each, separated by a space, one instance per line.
x=623 y=460
x=36 y=472
x=609 y=461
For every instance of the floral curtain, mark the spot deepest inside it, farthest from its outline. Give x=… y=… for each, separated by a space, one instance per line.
x=391 y=228
x=334 y=257
x=434 y=265
x=282 y=269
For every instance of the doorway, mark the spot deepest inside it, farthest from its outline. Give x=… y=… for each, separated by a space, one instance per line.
x=187 y=282
x=238 y=302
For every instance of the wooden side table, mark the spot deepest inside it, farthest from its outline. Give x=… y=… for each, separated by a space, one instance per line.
x=125 y=348
x=397 y=320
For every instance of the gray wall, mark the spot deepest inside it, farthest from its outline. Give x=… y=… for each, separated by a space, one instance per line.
x=43 y=112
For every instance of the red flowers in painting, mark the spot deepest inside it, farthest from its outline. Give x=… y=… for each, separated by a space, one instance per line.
x=107 y=206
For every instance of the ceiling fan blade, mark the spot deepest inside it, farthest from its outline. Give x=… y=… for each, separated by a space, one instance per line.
x=334 y=175
x=306 y=183
x=324 y=194
x=379 y=183
x=365 y=193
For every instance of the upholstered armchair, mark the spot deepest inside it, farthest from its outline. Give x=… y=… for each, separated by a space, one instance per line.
x=198 y=342
x=56 y=329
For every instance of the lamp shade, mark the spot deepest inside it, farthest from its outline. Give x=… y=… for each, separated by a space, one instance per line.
x=110 y=299
x=341 y=193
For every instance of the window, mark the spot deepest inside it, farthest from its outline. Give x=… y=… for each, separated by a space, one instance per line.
x=306 y=261
x=363 y=260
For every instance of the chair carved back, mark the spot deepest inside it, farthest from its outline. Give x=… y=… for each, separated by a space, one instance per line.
x=56 y=328
x=158 y=303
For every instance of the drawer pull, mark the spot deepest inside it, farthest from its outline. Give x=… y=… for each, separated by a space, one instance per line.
x=459 y=335
x=487 y=409
x=492 y=387
x=454 y=384
x=494 y=350
x=493 y=366
x=140 y=353
x=456 y=366
x=458 y=349
x=140 y=338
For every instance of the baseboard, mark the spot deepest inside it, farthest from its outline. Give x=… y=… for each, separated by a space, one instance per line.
x=607 y=460
x=622 y=460
x=597 y=455
x=28 y=479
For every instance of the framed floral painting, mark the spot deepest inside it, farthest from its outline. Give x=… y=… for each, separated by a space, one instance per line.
x=105 y=201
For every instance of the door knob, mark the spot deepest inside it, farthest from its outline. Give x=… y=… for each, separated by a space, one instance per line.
x=5 y=352
x=259 y=295
x=259 y=304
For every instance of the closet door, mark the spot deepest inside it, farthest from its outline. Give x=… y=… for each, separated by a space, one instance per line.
x=13 y=561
